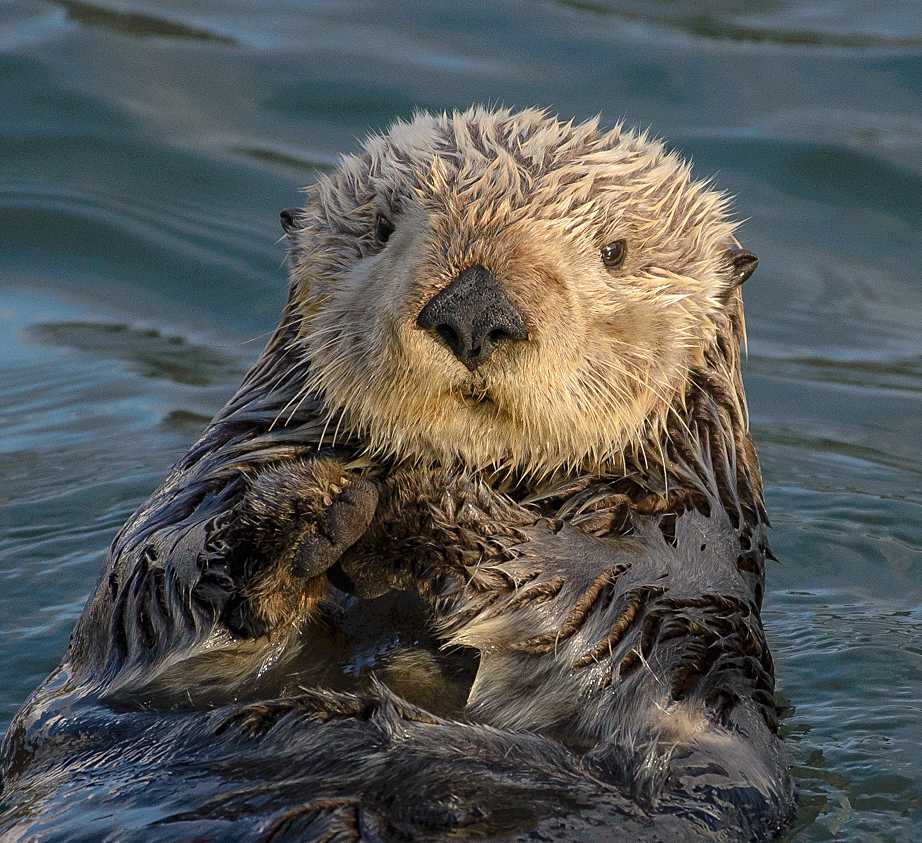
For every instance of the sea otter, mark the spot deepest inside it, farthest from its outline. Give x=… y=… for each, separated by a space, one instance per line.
x=476 y=550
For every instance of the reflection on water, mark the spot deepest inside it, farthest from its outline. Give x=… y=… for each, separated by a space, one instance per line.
x=134 y=23
x=147 y=147
x=828 y=24
x=147 y=352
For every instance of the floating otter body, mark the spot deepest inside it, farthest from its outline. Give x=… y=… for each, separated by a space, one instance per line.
x=477 y=549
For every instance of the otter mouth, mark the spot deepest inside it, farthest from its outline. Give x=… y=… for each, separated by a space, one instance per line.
x=477 y=398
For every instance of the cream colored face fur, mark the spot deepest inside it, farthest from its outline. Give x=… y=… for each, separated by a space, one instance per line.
x=534 y=200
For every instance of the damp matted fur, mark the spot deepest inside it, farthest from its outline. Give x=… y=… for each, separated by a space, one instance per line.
x=583 y=512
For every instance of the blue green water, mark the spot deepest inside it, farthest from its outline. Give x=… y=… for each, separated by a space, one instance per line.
x=146 y=147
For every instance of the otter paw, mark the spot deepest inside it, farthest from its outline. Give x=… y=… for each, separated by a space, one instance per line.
x=339 y=525
x=298 y=517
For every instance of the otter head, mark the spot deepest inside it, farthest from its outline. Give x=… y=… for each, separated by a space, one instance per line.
x=499 y=288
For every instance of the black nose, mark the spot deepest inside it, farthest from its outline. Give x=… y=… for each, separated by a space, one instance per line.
x=472 y=316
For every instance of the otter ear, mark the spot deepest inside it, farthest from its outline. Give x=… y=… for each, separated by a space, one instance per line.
x=742 y=264
x=289 y=219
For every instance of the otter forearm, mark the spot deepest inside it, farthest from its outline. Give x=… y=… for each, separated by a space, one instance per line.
x=559 y=606
x=616 y=645
x=245 y=560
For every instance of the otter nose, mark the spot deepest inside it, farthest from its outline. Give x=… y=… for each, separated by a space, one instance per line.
x=471 y=316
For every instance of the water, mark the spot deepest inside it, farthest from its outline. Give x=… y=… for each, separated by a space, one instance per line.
x=146 y=147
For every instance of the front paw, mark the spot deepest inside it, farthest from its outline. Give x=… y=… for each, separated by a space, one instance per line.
x=349 y=507
x=294 y=522
x=303 y=515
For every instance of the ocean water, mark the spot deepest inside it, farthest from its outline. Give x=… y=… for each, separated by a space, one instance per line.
x=146 y=147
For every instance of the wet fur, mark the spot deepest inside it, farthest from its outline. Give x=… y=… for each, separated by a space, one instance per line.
x=610 y=579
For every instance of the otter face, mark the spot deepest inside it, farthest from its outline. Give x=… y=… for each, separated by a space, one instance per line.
x=503 y=289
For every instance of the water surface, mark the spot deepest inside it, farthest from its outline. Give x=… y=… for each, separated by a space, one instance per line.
x=146 y=147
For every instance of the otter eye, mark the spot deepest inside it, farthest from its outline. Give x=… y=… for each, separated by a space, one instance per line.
x=384 y=228
x=614 y=253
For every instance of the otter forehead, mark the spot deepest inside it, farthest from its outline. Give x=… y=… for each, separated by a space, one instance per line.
x=504 y=287
x=480 y=171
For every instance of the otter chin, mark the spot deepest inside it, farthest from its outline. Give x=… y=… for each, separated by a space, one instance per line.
x=478 y=547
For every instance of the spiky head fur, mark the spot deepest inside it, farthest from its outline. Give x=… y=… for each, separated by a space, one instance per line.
x=534 y=199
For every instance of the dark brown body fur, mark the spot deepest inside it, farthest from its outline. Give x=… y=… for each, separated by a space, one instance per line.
x=623 y=683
